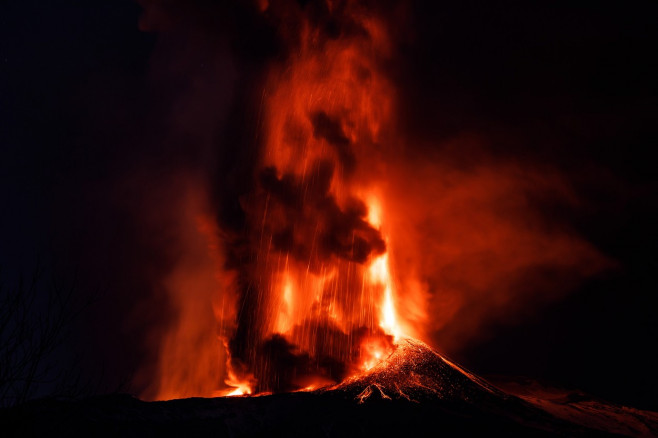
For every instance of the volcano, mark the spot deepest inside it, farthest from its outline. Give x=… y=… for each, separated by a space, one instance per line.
x=304 y=201
x=414 y=391
x=415 y=372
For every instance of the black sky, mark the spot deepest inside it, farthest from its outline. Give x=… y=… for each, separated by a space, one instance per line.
x=88 y=101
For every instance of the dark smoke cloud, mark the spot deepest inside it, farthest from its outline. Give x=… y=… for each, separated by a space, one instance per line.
x=284 y=368
x=331 y=130
x=331 y=22
x=305 y=220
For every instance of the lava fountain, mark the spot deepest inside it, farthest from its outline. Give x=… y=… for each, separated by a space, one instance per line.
x=321 y=280
x=313 y=301
x=320 y=303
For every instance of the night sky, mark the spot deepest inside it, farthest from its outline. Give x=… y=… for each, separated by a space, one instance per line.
x=98 y=120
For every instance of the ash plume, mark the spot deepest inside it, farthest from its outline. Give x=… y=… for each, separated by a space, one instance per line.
x=307 y=223
x=464 y=242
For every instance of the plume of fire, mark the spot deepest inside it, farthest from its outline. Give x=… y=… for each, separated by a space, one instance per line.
x=322 y=288
x=351 y=243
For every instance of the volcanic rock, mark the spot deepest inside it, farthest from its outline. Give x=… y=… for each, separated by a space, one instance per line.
x=415 y=372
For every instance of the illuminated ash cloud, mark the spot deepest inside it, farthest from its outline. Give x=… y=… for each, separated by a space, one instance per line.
x=331 y=230
x=306 y=222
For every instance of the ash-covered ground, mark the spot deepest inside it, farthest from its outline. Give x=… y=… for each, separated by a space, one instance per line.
x=415 y=391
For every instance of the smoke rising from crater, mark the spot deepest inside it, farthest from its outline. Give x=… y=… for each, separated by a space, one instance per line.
x=315 y=129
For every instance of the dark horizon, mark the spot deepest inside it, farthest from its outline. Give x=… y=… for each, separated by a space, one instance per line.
x=100 y=121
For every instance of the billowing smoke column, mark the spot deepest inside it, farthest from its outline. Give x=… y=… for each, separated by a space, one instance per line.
x=283 y=281
x=310 y=302
x=322 y=235
x=309 y=281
